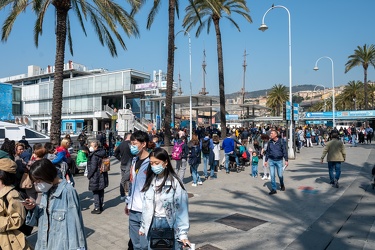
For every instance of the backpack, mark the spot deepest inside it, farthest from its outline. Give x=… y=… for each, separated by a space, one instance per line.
x=106 y=165
x=25 y=229
x=308 y=135
x=177 y=151
x=206 y=146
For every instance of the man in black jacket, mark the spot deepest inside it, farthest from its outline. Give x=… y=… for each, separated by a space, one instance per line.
x=276 y=151
x=122 y=153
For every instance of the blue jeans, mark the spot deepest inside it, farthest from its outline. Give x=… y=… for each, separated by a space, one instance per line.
x=216 y=163
x=276 y=166
x=227 y=160
x=254 y=170
x=194 y=173
x=354 y=140
x=161 y=222
x=139 y=242
x=205 y=163
x=334 y=165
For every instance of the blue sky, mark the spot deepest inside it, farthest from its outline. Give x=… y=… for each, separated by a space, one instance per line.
x=319 y=28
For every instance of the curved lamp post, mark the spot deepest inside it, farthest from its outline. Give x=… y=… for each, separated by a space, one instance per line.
x=324 y=92
x=264 y=27
x=190 y=97
x=333 y=87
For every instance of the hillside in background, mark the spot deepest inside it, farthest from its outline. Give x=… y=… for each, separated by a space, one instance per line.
x=263 y=92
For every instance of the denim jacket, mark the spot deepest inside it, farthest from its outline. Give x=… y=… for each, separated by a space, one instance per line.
x=176 y=208
x=62 y=226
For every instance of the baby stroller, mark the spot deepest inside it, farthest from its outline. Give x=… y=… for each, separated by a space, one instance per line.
x=233 y=165
x=373 y=178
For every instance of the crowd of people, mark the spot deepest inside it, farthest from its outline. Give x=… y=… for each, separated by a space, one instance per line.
x=152 y=188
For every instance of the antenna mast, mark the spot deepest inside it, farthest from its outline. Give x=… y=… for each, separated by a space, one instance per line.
x=243 y=80
x=179 y=92
x=203 y=92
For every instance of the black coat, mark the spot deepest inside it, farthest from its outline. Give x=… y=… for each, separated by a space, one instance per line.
x=97 y=180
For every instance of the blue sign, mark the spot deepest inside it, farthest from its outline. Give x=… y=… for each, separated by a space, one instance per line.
x=295 y=111
x=158 y=122
x=341 y=114
x=288 y=111
x=231 y=117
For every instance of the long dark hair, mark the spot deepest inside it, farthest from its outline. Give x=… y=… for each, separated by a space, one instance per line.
x=161 y=154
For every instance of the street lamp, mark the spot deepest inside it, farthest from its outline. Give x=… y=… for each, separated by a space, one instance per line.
x=264 y=27
x=324 y=92
x=333 y=87
x=190 y=97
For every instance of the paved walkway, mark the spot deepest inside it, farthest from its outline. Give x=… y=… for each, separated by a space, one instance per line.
x=310 y=214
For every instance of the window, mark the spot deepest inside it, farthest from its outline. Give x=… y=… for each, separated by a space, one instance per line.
x=2 y=133
x=69 y=126
x=31 y=134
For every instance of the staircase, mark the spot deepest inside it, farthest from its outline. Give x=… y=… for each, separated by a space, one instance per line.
x=140 y=126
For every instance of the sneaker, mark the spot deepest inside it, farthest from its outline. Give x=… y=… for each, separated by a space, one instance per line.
x=336 y=184
x=206 y=177
x=199 y=183
x=273 y=191
x=227 y=172
x=282 y=188
x=213 y=178
x=269 y=177
x=194 y=184
x=122 y=198
x=96 y=211
x=264 y=177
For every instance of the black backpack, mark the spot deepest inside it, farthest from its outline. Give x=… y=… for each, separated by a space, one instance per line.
x=25 y=229
x=205 y=146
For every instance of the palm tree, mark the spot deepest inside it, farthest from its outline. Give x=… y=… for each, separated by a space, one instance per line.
x=364 y=56
x=276 y=98
x=353 y=94
x=172 y=8
x=205 y=12
x=105 y=16
x=372 y=94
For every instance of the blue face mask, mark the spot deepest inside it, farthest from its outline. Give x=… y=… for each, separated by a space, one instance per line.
x=158 y=169
x=134 y=150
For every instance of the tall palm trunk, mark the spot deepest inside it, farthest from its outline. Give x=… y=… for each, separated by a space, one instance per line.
x=223 y=122
x=170 y=69
x=365 y=87
x=62 y=8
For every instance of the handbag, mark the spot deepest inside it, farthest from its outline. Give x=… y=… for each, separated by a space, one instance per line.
x=26 y=182
x=162 y=238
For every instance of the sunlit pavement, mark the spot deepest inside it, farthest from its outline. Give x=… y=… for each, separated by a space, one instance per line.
x=235 y=211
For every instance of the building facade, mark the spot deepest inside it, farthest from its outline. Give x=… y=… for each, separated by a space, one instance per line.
x=89 y=95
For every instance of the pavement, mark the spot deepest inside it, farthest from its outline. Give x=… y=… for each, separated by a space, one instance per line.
x=235 y=212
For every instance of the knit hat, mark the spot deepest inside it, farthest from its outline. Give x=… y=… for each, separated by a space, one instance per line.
x=8 y=165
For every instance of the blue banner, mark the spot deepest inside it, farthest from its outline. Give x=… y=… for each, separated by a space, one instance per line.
x=295 y=111
x=288 y=111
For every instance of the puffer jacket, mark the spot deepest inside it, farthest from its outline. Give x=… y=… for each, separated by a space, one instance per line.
x=11 y=218
x=97 y=180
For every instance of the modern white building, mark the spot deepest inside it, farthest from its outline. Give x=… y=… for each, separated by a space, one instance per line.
x=90 y=95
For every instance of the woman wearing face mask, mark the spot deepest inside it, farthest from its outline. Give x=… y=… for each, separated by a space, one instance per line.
x=138 y=148
x=97 y=180
x=58 y=216
x=165 y=201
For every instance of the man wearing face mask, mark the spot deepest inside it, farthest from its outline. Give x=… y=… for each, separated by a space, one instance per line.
x=140 y=163
x=97 y=180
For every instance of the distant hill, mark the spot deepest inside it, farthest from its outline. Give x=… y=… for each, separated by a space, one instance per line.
x=263 y=92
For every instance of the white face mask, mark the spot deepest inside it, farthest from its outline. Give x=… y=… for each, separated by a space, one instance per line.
x=43 y=187
x=91 y=149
